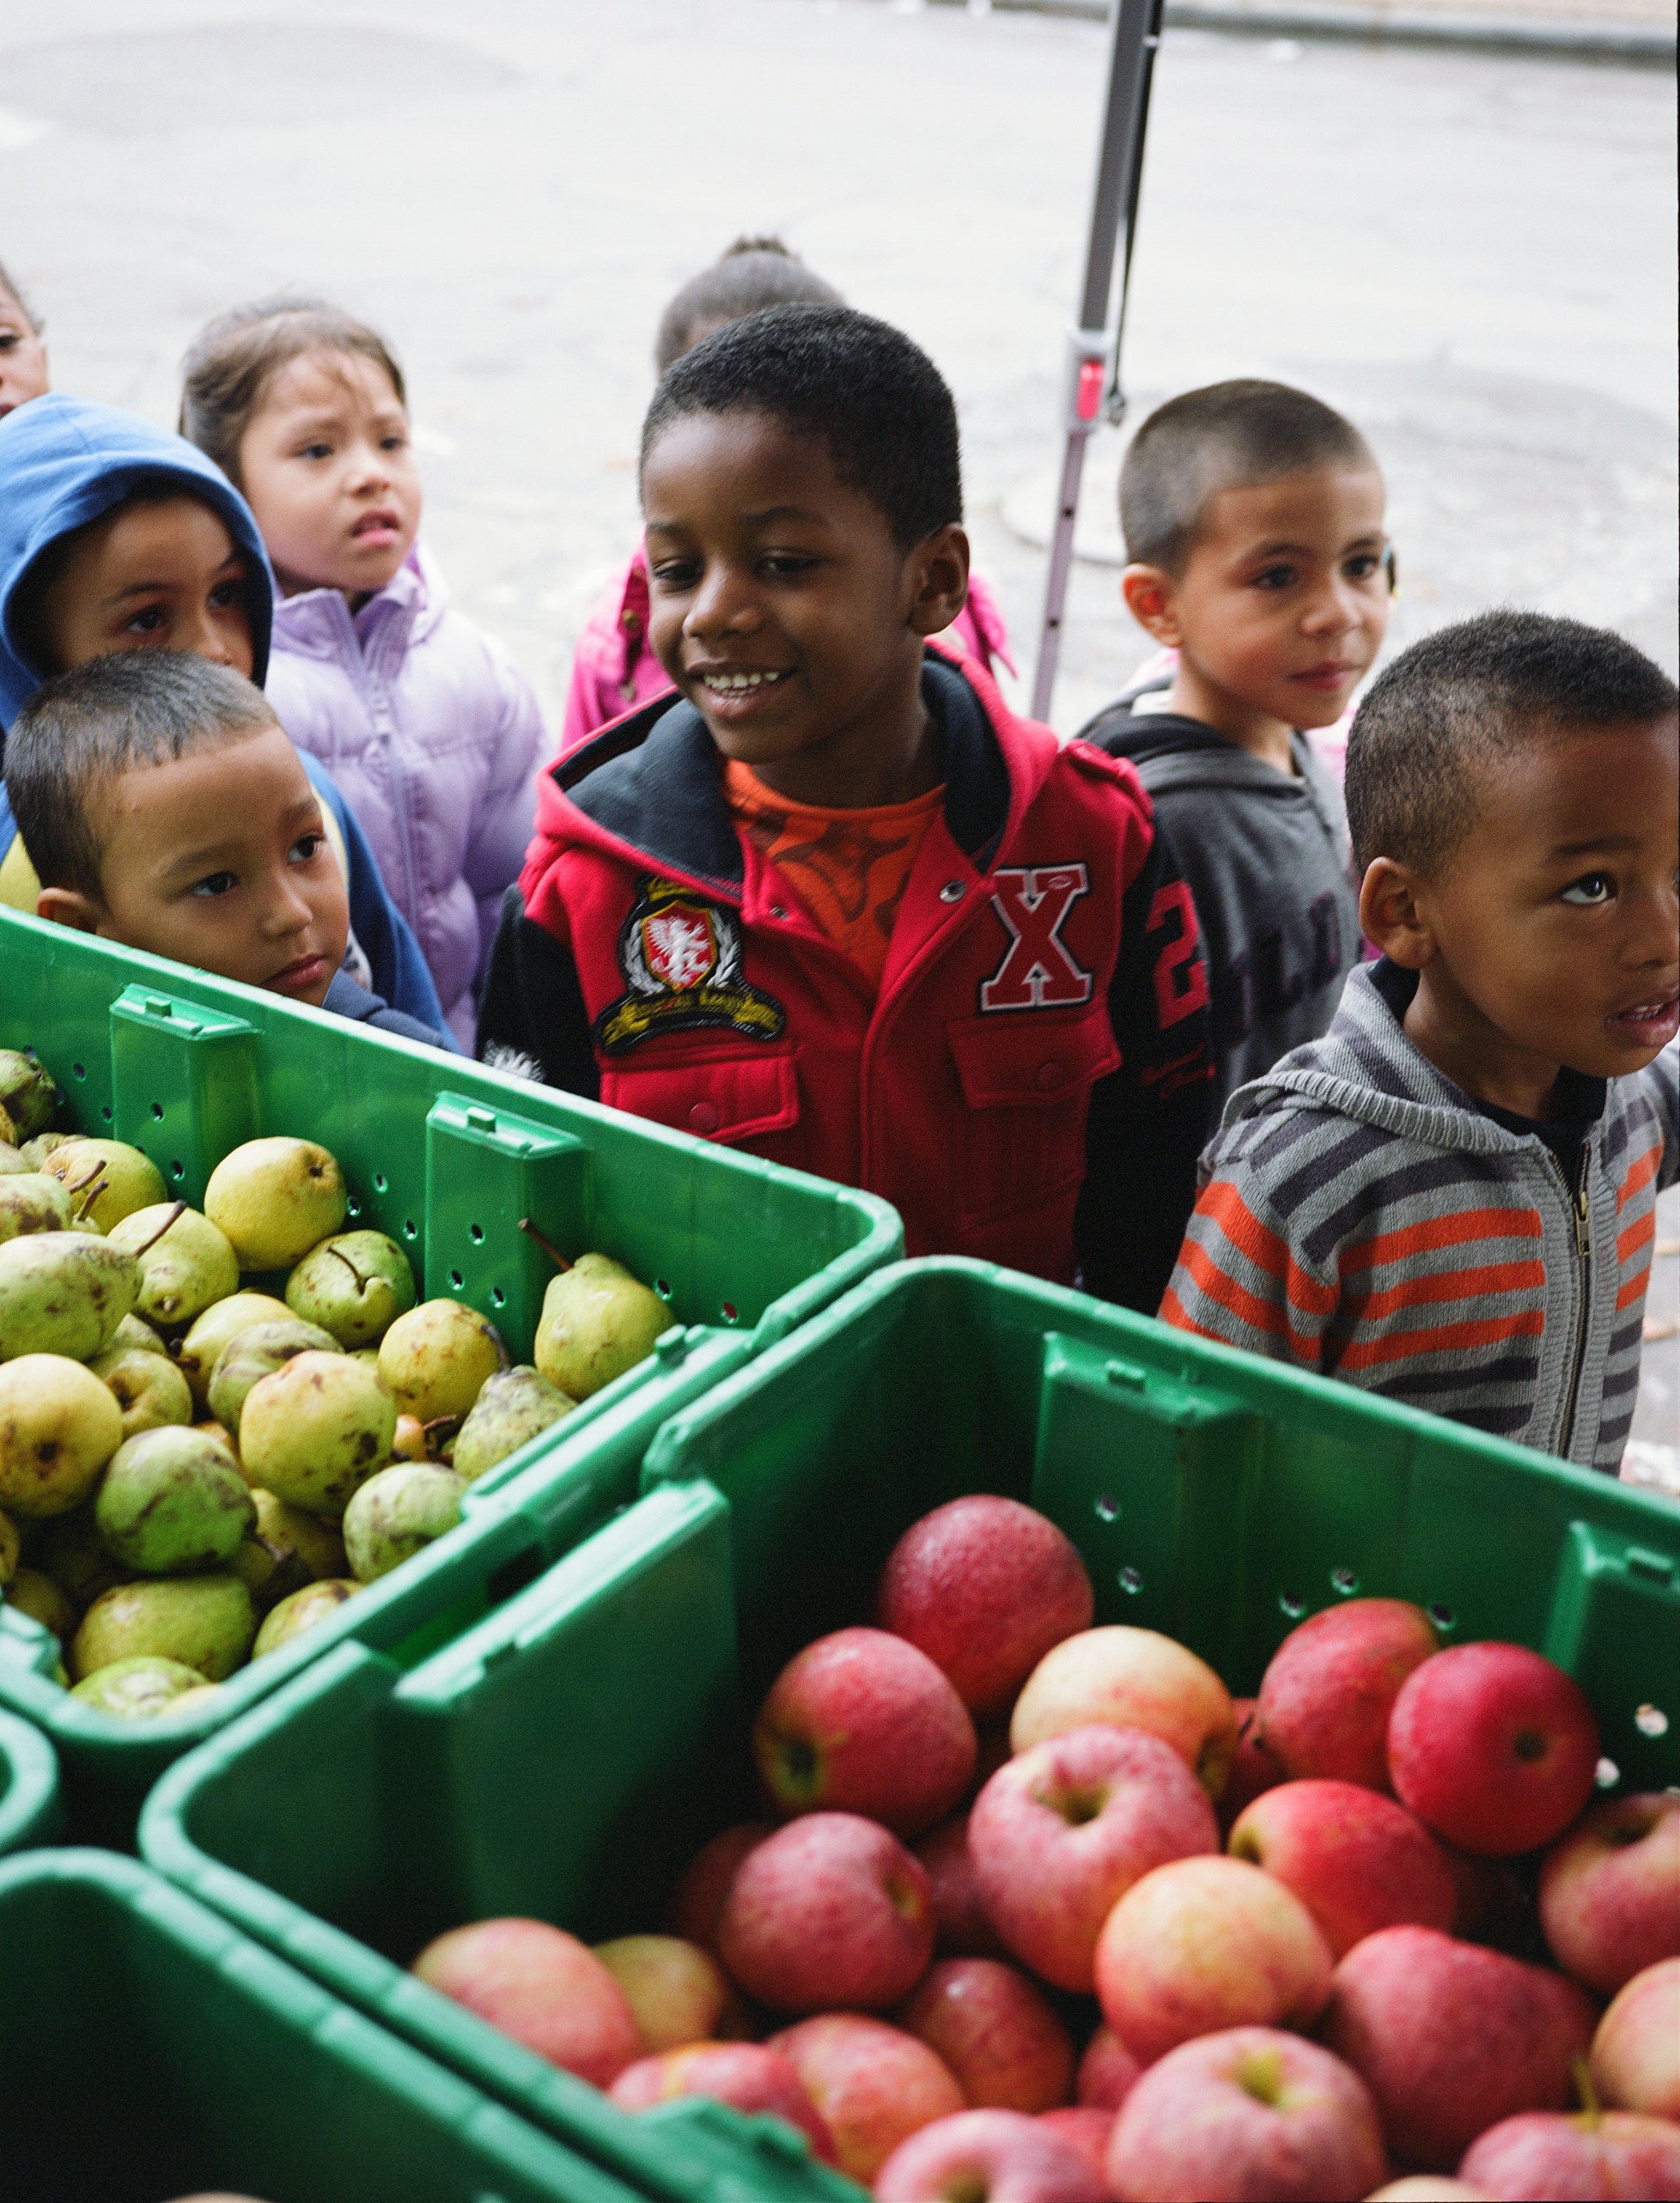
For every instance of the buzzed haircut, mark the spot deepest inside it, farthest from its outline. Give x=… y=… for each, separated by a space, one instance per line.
x=748 y=275
x=1456 y=702
x=106 y=718
x=874 y=398
x=232 y=361
x=1230 y=436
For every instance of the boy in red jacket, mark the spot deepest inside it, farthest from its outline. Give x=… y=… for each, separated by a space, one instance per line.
x=832 y=902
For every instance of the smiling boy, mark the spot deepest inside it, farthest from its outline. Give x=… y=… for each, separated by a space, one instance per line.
x=1253 y=520
x=832 y=902
x=1450 y=1199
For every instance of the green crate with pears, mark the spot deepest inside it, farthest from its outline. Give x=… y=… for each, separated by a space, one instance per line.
x=419 y=1266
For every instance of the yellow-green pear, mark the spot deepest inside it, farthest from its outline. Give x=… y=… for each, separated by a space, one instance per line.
x=42 y=1600
x=223 y=1321
x=63 y=1293
x=58 y=1427
x=69 y=1549
x=258 y=1351
x=106 y=1179
x=320 y=1546
x=138 y=1688
x=135 y=1334
x=34 y=1152
x=436 y=1359
x=12 y=1164
x=11 y=1548
x=354 y=1284
x=597 y=1322
x=28 y=1093
x=274 y=1198
x=171 y=1503
x=302 y=1612
x=33 y=1200
x=396 y=1512
x=512 y=1406
x=314 y=1429
x=205 y=1622
x=185 y=1262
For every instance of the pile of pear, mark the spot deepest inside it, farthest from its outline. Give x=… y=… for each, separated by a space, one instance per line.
x=194 y=1471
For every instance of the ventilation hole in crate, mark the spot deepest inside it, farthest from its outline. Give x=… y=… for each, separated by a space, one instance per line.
x=476 y=1233
x=1107 y=1507
x=381 y=1184
x=157 y=1111
x=178 y=1171
x=730 y=1313
x=456 y=1280
x=1608 y=1774
x=1650 y=1721
x=1130 y=1580
x=498 y=1298
x=1443 y=1618
x=78 y=1070
x=1344 y=1582
x=662 y=1286
x=1289 y=1605
x=410 y=1229
x=106 y=1112
x=352 y=1207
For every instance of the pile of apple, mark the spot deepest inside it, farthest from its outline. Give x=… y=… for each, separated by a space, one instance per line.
x=1292 y=2013
x=194 y=1470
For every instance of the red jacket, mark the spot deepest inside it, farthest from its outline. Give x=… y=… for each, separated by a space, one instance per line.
x=1029 y=1083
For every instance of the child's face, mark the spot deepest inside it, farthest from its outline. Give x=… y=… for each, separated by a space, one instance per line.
x=1556 y=922
x=23 y=356
x=328 y=469
x=219 y=859
x=1283 y=602
x=150 y=577
x=782 y=606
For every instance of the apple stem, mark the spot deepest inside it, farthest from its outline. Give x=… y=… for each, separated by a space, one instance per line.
x=179 y=1209
x=1592 y=2110
x=545 y=1243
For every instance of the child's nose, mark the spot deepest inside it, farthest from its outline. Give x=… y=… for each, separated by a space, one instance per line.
x=723 y=604
x=1334 y=607
x=286 y=910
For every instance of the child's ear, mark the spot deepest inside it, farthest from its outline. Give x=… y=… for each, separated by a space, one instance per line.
x=68 y=906
x=1391 y=914
x=1148 y=594
x=939 y=573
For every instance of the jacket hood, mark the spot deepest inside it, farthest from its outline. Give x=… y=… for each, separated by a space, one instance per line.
x=64 y=461
x=1205 y=759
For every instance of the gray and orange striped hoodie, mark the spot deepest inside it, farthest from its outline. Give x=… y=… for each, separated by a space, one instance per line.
x=1362 y=1217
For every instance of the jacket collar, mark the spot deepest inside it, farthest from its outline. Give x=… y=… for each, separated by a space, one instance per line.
x=318 y=624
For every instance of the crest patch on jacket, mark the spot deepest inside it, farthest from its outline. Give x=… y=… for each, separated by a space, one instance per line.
x=681 y=958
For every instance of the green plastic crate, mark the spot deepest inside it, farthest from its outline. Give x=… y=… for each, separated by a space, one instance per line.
x=563 y=1756
x=30 y=1812
x=148 y=2050
x=446 y=1157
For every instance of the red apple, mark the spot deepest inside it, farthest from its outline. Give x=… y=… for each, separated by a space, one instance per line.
x=1136 y=1679
x=542 y=1987
x=1598 y=2153
x=961 y=1928
x=697 y=1903
x=984 y=1587
x=676 y=1990
x=1253 y=1770
x=748 y=2075
x=1205 y=1945
x=1107 y=2071
x=831 y=1910
x=1493 y=1747
x=1063 y=1830
x=861 y=1722
x=872 y=2083
x=1636 y=2050
x=1355 y=1859
x=1325 y=1699
x=1610 y=1890
x=1451 y=2038
x=988 y=2157
x=1248 y=2115
x=1088 y=2129
x=996 y=2032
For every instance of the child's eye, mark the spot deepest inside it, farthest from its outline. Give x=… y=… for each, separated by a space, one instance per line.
x=10 y=340
x=214 y=883
x=226 y=594
x=1592 y=890
x=393 y=443
x=148 y=620
x=1362 y=567
x=786 y=565
x=316 y=450
x=306 y=848
x=676 y=573
x=1276 y=577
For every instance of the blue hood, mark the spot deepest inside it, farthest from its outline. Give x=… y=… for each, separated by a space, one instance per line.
x=63 y=462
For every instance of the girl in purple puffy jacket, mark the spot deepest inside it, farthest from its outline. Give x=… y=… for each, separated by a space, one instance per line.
x=428 y=730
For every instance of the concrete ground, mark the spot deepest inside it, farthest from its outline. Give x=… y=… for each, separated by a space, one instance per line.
x=1476 y=256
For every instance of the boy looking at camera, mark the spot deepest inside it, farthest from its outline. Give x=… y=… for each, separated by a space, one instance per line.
x=831 y=902
x=1253 y=520
x=1451 y=1198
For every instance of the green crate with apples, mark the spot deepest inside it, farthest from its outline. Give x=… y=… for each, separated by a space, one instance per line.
x=515 y=1217
x=148 y=2050
x=30 y=1812
x=563 y=1757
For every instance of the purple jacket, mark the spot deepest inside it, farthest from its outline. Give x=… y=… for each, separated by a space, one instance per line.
x=433 y=739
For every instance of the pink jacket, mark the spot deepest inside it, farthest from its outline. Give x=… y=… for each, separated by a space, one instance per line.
x=613 y=667
x=433 y=739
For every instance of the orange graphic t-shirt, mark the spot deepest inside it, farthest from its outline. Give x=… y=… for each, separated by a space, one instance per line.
x=848 y=868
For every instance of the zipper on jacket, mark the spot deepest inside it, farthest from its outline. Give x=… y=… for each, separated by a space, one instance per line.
x=1583 y=1285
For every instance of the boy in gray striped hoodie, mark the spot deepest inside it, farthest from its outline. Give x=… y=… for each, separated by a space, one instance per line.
x=1451 y=1198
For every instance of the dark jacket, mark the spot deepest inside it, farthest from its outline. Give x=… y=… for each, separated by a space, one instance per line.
x=344 y=999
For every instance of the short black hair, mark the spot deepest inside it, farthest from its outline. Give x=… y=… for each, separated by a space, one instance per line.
x=748 y=275
x=105 y=718
x=874 y=398
x=1453 y=704
x=1229 y=436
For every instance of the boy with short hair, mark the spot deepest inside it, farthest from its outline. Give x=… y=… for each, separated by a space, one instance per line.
x=163 y=807
x=1451 y=1198
x=1253 y=520
x=831 y=902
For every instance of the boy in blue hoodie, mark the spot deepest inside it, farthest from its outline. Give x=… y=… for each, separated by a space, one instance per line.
x=116 y=536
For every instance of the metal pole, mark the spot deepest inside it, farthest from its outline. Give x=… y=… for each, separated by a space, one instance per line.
x=1093 y=379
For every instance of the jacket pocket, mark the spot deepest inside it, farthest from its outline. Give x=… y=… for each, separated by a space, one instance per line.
x=727 y=1096
x=1027 y=1086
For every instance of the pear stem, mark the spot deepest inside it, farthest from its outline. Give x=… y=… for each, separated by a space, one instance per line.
x=438 y=1433
x=545 y=1243
x=101 y=1185
x=338 y=1255
x=179 y=1209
